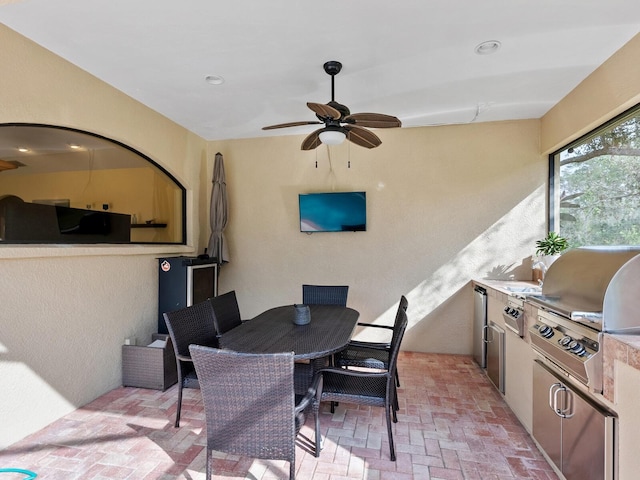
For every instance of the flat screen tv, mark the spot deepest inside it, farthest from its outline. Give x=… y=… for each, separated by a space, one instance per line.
x=333 y=212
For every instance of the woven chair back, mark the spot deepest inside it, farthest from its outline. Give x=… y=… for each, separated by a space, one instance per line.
x=226 y=311
x=248 y=401
x=325 y=295
x=398 y=333
x=402 y=307
x=193 y=324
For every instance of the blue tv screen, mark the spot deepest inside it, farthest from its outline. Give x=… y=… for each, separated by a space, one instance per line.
x=333 y=212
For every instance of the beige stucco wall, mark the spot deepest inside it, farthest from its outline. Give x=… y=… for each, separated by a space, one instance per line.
x=610 y=90
x=444 y=205
x=66 y=310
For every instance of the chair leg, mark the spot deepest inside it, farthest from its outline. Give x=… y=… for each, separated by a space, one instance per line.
x=177 y=424
x=397 y=379
x=208 y=468
x=393 y=409
x=292 y=470
x=179 y=407
x=316 y=421
x=316 y=418
x=392 y=448
x=396 y=405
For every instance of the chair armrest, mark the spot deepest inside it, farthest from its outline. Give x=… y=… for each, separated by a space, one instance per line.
x=352 y=373
x=371 y=345
x=388 y=327
x=184 y=358
x=374 y=345
x=315 y=386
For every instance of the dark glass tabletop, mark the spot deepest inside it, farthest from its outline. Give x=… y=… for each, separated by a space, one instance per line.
x=273 y=331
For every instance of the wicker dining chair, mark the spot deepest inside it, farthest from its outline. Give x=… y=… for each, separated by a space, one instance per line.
x=193 y=324
x=368 y=388
x=325 y=295
x=249 y=404
x=371 y=354
x=226 y=312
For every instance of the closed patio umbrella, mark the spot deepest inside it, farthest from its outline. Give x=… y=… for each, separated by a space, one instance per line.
x=218 y=213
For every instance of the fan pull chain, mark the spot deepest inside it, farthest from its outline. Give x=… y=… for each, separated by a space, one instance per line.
x=349 y=164
x=316 y=163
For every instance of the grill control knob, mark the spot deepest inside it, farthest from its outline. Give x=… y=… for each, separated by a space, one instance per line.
x=565 y=341
x=576 y=348
x=546 y=331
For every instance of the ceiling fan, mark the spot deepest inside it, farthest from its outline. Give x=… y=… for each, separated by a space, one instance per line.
x=339 y=122
x=4 y=165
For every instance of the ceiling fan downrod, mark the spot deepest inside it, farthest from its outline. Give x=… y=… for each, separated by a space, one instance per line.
x=332 y=67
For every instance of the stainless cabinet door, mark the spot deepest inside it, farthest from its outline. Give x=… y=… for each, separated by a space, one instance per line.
x=479 y=322
x=495 y=355
x=547 y=426
x=583 y=441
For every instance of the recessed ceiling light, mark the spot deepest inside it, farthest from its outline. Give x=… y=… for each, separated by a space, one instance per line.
x=488 y=47
x=74 y=146
x=23 y=149
x=214 y=79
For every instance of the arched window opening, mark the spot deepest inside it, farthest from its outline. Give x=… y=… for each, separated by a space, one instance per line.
x=61 y=185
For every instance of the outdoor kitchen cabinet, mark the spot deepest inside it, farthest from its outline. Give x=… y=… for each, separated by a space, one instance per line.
x=516 y=362
x=627 y=386
x=493 y=336
x=519 y=378
x=575 y=433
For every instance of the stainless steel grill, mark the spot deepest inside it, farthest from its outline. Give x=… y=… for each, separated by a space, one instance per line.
x=586 y=292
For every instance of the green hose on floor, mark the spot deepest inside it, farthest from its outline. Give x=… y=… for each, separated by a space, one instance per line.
x=29 y=475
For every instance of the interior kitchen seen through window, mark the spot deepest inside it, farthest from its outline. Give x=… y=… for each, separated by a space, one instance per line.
x=61 y=185
x=595 y=185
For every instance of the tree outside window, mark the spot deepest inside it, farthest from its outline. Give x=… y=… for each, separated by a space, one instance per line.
x=597 y=187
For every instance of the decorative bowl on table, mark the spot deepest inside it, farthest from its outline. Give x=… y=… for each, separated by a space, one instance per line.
x=302 y=314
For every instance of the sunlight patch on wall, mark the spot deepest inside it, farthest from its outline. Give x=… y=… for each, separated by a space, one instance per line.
x=502 y=252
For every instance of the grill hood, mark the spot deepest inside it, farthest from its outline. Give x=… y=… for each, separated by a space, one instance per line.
x=595 y=286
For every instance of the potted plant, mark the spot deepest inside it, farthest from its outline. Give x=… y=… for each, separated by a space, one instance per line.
x=548 y=250
x=552 y=244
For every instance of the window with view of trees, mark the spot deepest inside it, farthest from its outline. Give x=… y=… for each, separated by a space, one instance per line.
x=595 y=194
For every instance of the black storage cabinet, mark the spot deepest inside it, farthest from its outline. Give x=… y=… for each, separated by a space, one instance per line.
x=184 y=281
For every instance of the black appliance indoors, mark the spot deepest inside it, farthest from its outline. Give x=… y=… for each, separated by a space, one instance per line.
x=586 y=292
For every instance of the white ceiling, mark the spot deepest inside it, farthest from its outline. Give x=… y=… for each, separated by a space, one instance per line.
x=410 y=58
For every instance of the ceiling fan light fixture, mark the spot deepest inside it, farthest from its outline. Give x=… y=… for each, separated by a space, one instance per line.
x=332 y=137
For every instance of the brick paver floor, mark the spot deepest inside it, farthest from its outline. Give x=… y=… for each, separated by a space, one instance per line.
x=452 y=425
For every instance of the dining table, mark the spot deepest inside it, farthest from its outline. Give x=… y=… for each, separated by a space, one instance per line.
x=274 y=331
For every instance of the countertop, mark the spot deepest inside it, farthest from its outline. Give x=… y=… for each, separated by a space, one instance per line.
x=516 y=288
x=622 y=348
